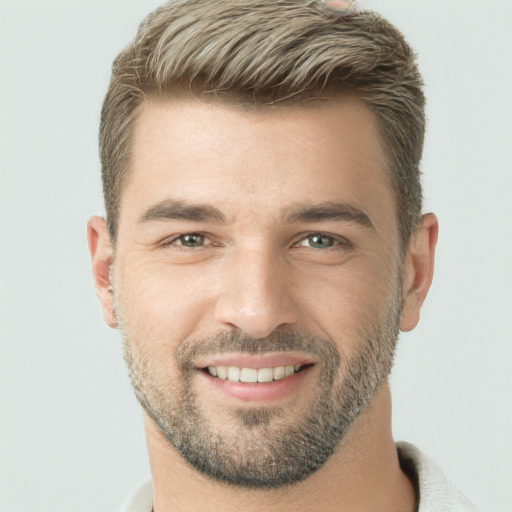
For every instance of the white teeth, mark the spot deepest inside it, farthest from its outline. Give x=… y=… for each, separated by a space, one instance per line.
x=222 y=372
x=289 y=370
x=235 y=374
x=279 y=373
x=265 y=375
x=248 y=375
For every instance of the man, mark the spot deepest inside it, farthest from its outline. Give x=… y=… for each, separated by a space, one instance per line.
x=264 y=244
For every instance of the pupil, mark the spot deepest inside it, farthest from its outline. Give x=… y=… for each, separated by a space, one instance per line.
x=320 y=242
x=191 y=240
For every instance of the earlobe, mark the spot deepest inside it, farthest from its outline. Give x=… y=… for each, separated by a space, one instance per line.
x=418 y=270
x=101 y=251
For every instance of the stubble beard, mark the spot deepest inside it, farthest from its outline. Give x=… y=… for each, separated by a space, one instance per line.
x=261 y=449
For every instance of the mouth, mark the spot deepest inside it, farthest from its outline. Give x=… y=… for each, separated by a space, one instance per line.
x=254 y=375
x=255 y=378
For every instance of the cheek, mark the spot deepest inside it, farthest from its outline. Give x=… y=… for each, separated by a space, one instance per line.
x=160 y=304
x=346 y=301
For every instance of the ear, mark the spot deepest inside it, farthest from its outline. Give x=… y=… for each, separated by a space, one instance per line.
x=100 y=247
x=418 y=270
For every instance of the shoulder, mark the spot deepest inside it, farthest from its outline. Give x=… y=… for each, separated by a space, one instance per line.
x=437 y=493
x=140 y=499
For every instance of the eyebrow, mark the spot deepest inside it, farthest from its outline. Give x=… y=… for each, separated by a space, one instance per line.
x=328 y=211
x=179 y=210
x=321 y=212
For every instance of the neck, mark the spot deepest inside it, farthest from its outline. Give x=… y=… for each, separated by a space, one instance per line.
x=362 y=475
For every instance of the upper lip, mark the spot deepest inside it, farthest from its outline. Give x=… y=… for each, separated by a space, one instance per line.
x=269 y=360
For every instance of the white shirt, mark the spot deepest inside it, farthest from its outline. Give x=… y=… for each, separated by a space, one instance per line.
x=436 y=492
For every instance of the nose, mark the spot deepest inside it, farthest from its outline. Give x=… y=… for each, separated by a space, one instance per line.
x=256 y=295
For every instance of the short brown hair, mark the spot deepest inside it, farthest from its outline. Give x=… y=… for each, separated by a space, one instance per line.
x=269 y=52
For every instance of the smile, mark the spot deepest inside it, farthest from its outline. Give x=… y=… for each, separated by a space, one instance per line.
x=254 y=378
x=253 y=375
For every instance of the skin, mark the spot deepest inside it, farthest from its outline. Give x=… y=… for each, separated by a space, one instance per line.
x=260 y=273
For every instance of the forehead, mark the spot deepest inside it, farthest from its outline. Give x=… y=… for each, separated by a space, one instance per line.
x=266 y=159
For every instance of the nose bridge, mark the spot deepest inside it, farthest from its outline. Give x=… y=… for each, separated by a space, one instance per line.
x=255 y=294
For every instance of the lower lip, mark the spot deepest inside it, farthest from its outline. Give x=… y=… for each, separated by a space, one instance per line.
x=259 y=392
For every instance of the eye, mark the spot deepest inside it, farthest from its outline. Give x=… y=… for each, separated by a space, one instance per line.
x=321 y=241
x=188 y=240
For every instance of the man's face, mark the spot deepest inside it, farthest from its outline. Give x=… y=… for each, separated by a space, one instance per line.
x=261 y=245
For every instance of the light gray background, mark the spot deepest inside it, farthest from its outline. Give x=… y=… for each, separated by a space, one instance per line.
x=71 y=434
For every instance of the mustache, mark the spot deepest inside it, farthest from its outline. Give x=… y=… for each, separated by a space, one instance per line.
x=279 y=341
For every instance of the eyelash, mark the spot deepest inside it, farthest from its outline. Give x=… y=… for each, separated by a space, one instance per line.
x=337 y=242
x=171 y=241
